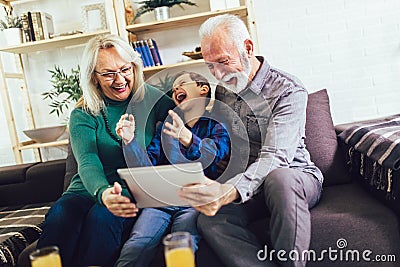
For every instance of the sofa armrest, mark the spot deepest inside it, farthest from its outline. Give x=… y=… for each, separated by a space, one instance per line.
x=43 y=182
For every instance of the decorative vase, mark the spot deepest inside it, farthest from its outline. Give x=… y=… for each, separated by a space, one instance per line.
x=161 y=13
x=13 y=36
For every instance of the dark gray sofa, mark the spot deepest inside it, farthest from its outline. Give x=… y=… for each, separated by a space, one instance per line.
x=348 y=220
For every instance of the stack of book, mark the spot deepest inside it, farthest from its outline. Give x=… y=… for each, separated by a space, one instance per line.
x=148 y=50
x=37 y=26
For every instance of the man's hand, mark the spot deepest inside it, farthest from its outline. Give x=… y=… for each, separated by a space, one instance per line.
x=208 y=198
x=117 y=204
x=178 y=130
x=126 y=128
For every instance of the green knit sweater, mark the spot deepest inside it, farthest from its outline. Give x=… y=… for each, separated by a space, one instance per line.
x=98 y=155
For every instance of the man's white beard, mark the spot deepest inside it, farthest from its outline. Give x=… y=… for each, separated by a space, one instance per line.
x=242 y=78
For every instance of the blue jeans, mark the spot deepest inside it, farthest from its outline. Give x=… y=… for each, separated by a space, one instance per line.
x=85 y=231
x=150 y=228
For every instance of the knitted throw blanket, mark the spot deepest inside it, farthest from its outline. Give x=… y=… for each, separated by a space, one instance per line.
x=19 y=227
x=378 y=140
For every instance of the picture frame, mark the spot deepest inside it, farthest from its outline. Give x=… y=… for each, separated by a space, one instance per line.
x=94 y=17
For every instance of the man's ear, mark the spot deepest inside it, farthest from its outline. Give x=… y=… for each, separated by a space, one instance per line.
x=249 y=47
x=204 y=90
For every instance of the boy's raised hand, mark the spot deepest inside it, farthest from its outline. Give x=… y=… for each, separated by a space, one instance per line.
x=178 y=130
x=126 y=128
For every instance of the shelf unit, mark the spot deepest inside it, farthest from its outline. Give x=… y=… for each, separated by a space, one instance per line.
x=244 y=12
x=24 y=49
x=152 y=70
x=184 y=21
x=57 y=42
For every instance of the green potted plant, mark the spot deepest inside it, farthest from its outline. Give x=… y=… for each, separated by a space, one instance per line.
x=160 y=7
x=12 y=27
x=165 y=83
x=66 y=89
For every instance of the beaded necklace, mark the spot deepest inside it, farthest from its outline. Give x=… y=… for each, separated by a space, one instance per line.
x=113 y=136
x=107 y=124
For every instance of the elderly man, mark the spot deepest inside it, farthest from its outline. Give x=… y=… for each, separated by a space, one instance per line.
x=265 y=110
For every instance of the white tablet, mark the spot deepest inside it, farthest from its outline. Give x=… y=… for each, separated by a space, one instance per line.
x=157 y=186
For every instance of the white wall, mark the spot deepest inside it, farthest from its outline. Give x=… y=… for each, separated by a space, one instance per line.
x=350 y=47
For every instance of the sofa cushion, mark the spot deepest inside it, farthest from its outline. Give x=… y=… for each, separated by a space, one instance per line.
x=14 y=174
x=43 y=176
x=321 y=140
x=349 y=218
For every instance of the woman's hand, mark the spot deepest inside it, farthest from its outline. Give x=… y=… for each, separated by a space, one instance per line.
x=117 y=204
x=126 y=128
x=178 y=130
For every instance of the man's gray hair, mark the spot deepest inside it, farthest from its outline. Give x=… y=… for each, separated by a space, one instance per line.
x=92 y=100
x=229 y=23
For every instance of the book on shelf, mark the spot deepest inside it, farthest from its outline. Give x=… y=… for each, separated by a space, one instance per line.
x=148 y=52
x=157 y=51
x=154 y=52
x=47 y=24
x=138 y=49
x=31 y=31
x=26 y=28
x=37 y=26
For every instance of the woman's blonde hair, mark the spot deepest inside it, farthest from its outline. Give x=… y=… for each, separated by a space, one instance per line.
x=92 y=100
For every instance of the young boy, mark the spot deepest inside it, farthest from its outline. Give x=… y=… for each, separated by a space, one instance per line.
x=195 y=138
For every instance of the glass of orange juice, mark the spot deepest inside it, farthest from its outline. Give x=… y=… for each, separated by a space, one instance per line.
x=178 y=250
x=44 y=257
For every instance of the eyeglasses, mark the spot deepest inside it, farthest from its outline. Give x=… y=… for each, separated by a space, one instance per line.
x=112 y=75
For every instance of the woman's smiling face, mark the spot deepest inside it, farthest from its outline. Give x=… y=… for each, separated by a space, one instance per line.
x=120 y=87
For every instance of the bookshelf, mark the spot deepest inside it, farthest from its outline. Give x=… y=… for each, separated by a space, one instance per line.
x=33 y=145
x=183 y=21
x=175 y=23
x=152 y=70
x=57 y=42
x=20 y=53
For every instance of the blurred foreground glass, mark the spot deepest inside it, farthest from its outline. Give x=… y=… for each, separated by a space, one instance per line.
x=45 y=257
x=178 y=250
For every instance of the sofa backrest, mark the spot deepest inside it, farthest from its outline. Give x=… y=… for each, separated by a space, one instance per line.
x=71 y=167
x=321 y=140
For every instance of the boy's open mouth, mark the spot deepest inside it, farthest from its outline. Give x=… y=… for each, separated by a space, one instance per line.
x=180 y=97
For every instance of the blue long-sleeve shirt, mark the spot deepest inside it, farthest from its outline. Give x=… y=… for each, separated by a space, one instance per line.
x=210 y=145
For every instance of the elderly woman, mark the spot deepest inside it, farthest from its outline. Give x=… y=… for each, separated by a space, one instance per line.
x=88 y=222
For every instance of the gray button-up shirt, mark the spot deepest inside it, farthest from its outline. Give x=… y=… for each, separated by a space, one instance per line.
x=266 y=123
